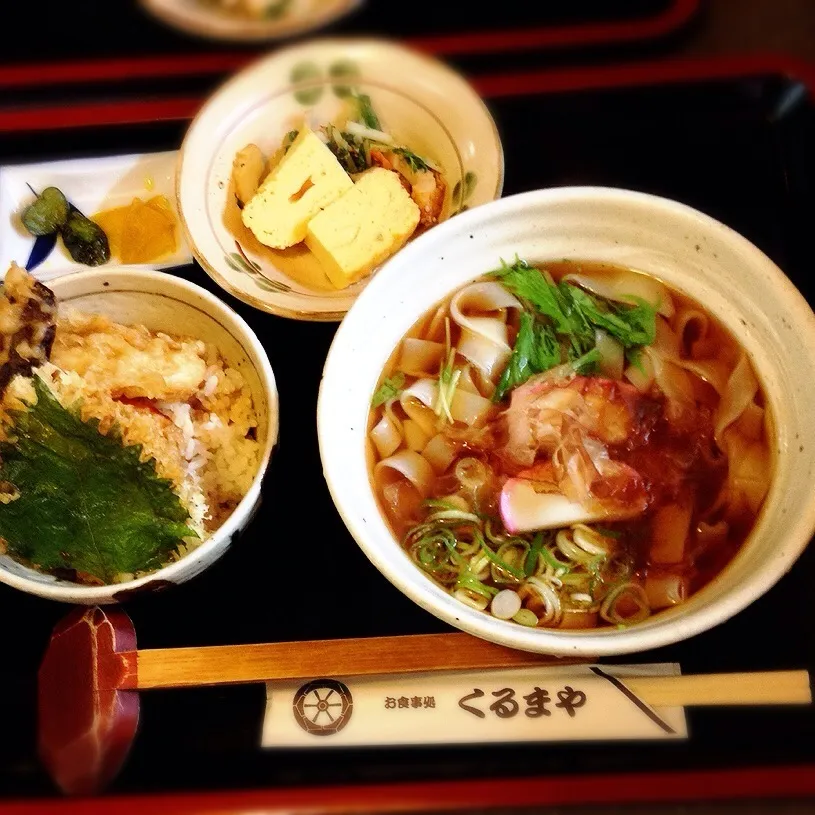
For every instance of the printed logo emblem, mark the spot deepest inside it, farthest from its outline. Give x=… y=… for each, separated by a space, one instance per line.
x=323 y=707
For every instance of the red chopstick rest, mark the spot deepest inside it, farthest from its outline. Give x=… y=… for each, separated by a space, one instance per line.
x=86 y=724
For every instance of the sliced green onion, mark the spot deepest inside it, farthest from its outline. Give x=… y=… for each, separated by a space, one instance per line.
x=454 y=515
x=570 y=549
x=514 y=551
x=589 y=539
x=467 y=580
x=608 y=607
x=505 y=605
x=532 y=555
x=553 y=562
x=549 y=597
x=472 y=599
x=516 y=573
x=490 y=534
x=440 y=503
x=526 y=617
x=480 y=563
x=576 y=579
x=432 y=557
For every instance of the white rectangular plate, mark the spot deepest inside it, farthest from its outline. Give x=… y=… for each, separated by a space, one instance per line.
x=91 y=185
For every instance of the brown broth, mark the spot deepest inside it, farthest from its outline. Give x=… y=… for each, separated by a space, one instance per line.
x=677 y=458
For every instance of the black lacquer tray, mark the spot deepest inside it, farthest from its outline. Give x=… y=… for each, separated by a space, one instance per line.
x=737 y=145
x=85 y=49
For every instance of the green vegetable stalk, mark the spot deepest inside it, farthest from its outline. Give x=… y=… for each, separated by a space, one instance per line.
x=367 y=114
x=414 y=161
x=558 y=325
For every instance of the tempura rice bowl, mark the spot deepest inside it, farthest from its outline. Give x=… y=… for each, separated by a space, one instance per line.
x=688 y=251
x=166 y=304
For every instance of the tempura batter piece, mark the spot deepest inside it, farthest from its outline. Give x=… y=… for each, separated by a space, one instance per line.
x=128 y=361
x=27 y=324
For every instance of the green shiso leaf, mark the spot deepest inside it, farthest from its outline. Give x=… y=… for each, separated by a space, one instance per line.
x=86 y=501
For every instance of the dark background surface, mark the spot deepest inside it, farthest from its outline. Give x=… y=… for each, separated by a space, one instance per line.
x=474 y=37
x=101 y=28
x=739 y=150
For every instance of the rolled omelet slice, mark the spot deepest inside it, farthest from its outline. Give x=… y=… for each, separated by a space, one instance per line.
x=363 y=227
x=307 y=179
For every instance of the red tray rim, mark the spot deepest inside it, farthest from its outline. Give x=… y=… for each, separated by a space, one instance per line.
x=760 y=782
x=674 y=18
x=795 y=782
x=71 y=114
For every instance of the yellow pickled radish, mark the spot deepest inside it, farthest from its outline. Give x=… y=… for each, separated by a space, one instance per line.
x=141 y=231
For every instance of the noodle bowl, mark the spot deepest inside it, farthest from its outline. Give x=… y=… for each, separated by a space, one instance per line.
x=741 y=348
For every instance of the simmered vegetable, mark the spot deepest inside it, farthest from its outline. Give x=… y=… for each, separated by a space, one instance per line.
x=247 y=171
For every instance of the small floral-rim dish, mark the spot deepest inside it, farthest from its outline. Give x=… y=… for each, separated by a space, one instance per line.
x=259 y=105
x=278 y=20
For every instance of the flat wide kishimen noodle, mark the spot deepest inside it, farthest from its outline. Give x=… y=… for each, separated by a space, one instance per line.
x=576 y=434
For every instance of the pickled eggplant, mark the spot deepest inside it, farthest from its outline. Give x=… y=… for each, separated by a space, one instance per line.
x=85 y=240
x=51 y=213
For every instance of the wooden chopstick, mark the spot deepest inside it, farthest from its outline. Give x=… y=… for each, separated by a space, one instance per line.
x=760 y=688
x=229 y=664
x=420 y=653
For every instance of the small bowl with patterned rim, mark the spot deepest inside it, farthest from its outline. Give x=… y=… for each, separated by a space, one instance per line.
x=248 y=20
x=423 y=104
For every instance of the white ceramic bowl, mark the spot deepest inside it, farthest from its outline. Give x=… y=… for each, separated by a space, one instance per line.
x=288 y=18
x=421 y=101
x=164 y=303
x=686 y=249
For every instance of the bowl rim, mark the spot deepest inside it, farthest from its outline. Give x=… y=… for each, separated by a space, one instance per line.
x=422 y=590
x=280 y=55
x=216 y=308
x=213 y=27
